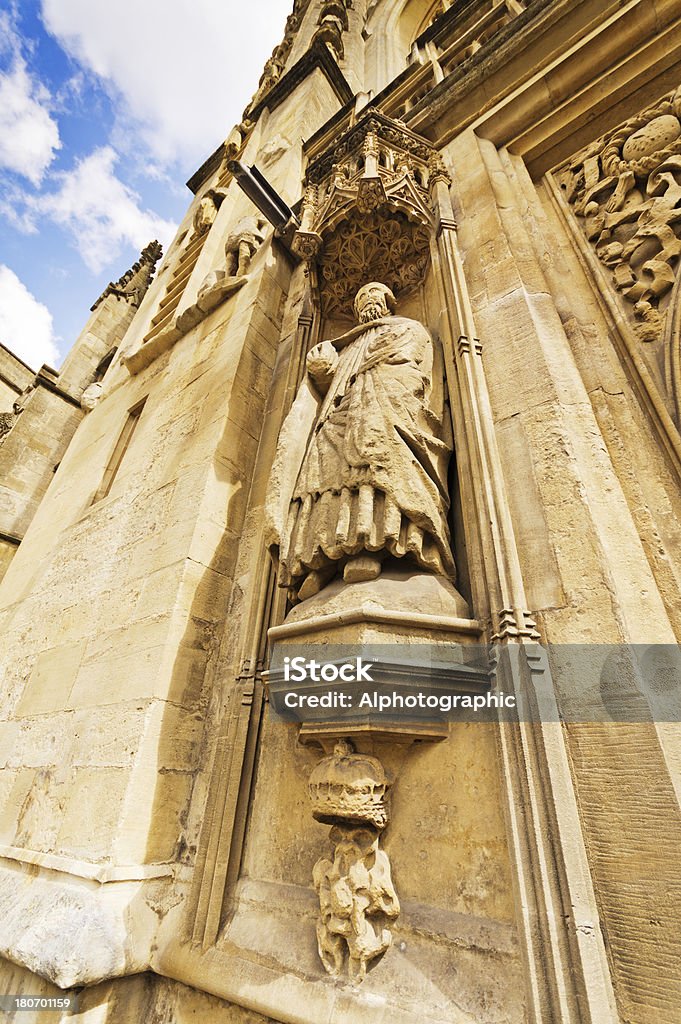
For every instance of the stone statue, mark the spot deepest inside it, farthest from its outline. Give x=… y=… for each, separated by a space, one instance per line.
x=371 y=480
x=242 y=243
x=240 y=247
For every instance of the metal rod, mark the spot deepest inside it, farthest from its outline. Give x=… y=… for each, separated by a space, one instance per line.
x=262 y=195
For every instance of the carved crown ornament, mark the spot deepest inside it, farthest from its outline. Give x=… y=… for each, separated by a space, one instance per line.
x=366 y=211
x=625 y=190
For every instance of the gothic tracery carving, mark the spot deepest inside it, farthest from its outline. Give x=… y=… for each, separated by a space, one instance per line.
x=366 y=212
x=371 y=246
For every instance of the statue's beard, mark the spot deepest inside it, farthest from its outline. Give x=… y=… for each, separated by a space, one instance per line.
x=372 y=311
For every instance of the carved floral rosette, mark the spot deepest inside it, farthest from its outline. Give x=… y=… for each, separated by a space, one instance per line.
x=357 y=898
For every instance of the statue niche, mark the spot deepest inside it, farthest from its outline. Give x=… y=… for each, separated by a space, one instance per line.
x=361 y=466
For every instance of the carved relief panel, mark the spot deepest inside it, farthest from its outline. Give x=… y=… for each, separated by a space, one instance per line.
x=624 y=194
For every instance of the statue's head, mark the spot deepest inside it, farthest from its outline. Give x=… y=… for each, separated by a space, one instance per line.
x=373 y=301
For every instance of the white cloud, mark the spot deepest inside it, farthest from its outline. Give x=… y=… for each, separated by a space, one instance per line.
x=29 y=137
x=183 y=70
x=25 y=323
x=102 y=214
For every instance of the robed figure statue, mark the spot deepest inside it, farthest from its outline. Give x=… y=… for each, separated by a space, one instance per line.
x=360 y=472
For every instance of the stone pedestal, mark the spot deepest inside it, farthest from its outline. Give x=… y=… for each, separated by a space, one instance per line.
x=381 y=624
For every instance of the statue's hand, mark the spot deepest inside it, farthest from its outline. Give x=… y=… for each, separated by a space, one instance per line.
x=321 y=364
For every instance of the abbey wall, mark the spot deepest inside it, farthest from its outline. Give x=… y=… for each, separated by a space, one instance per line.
x=412 y=389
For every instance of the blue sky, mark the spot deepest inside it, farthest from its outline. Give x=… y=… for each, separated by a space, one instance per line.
x=105 y=111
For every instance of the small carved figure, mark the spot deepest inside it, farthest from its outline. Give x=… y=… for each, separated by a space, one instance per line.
x=356 y=900
x=207 y=211
x=372 y=482
x=242 y=243
x=20 y=403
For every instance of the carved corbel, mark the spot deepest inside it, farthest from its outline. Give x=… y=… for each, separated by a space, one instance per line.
x=306 y=242
x=206 y=212
x=357 y=899
x=91 y=396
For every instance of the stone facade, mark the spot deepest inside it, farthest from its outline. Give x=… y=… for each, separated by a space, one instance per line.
x=46 y=407
x=507 y=173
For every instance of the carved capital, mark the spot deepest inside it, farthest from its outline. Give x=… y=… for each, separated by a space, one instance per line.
x=306 y=244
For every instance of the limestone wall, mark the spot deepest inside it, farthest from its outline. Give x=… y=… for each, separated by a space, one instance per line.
x=15 y=376
x=598 y=537
x=156 y=840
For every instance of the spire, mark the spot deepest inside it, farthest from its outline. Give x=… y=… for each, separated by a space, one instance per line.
x=134 y=282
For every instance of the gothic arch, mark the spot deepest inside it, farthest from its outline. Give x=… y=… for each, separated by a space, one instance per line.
x=394 y=27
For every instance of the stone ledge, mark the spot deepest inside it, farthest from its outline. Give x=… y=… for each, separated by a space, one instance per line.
x=182 y=324
x=266 y=960
x=86 y=869
x=373 y=613
x=74 y=932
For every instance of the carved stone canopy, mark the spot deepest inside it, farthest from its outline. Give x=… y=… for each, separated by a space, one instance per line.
x=366 y=213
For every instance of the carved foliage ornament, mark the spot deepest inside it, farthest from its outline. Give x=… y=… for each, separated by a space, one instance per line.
x=626 y=191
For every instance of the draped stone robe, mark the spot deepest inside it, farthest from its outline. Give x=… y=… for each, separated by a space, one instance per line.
x=373 y=476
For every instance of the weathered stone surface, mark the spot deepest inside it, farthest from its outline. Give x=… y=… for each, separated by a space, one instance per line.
x=157 y=840
x=362 y=492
